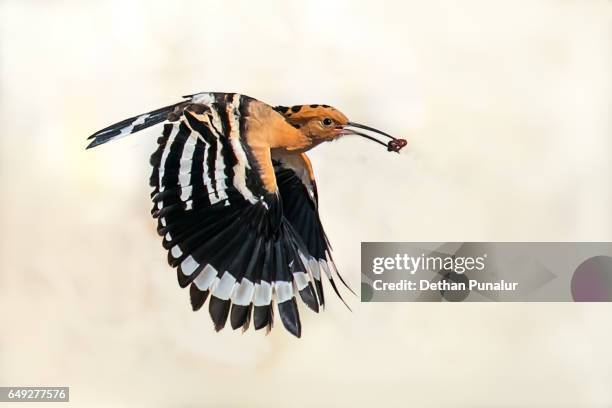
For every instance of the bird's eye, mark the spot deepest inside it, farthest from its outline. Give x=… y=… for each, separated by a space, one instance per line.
x=327 y=122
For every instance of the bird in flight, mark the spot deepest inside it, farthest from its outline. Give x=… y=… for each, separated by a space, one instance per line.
x=236 y=202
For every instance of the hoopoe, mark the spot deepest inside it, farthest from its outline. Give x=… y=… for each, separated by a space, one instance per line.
x=236 y=202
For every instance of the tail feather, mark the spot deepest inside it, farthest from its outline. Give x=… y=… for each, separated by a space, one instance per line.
x=132 y=125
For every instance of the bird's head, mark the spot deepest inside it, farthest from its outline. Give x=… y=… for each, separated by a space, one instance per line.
x=322 y=123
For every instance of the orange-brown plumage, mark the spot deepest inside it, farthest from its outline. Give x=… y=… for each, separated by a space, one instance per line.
x=288 y=135
x=319 y=123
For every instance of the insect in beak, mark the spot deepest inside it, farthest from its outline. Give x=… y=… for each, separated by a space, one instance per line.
x=394 y=145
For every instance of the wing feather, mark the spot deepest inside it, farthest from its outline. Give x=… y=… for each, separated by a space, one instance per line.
x=300 y=202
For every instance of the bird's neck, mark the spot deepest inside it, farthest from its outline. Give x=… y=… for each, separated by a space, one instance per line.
x=267 y=128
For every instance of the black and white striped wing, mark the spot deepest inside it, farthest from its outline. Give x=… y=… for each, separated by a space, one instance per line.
x=223 y=229
x=300 y=207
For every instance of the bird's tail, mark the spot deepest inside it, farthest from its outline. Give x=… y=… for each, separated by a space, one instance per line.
x=132 y=125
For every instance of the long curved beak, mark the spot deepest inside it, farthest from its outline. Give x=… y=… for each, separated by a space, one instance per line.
x=393 y=145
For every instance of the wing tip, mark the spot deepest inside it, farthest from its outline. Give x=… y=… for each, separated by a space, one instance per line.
x=290 y=317
x=219 y=311
x=239 y=316
x=93 y=143
x=197 y=297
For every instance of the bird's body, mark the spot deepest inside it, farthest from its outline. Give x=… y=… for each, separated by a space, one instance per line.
x=236 y=202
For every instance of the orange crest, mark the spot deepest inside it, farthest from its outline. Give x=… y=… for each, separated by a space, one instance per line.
x=300 y=114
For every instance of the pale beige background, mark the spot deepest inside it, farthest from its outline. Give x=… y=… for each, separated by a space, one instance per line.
x=506 y=106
